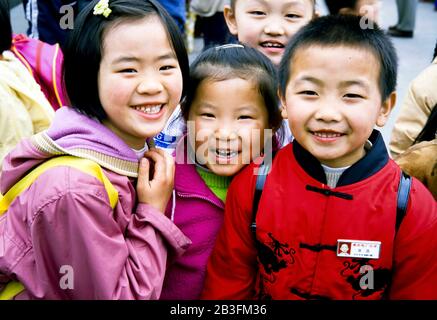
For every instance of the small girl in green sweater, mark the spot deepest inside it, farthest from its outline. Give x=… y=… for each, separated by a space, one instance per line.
x=231 y=108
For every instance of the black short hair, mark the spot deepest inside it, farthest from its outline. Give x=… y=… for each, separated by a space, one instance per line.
x=344 y=30
x=5 y=26
x=334 y=6
x=236 y=61
x=83 y=51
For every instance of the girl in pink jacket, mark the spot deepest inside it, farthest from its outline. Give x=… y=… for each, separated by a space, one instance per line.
x=124 y=70
x=231 y=110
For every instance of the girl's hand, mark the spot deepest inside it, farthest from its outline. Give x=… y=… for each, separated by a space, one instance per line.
x=155 y=178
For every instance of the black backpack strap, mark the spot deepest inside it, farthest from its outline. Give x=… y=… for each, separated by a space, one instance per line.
x=263 y=171
x=403 y=197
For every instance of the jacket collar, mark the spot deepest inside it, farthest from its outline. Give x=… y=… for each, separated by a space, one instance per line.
x=187 y=181
x=89 y=140
x=374 y=160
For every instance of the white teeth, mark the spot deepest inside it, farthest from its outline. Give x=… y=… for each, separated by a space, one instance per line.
x=327 y=135
x=226 y=153
x=149 y=109
x=272 y=45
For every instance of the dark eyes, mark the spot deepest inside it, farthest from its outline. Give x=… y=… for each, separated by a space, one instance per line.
x=210 y=115
x=260 y=13
x=308 y=93
x=131 y=70
x=207 y=115
x=128 y=70
x=257 y=13
x=245 y=117
x=348 y=95
x=165 y=68
x=293 y=16
x=353 y=96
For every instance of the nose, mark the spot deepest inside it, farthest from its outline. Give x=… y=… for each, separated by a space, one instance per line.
x=328 y=111
x=150 y=85
x=225 y=133
x=225 y=137
x=274 y=27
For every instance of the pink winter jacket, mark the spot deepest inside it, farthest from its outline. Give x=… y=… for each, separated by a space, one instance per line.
x=198 y=212
x=64 y=224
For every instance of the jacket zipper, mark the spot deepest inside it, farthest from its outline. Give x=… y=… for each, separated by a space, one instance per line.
x=186 y=195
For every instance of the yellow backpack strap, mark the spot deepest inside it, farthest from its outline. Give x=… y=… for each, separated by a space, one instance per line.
x=12 y=289
x=87 y=166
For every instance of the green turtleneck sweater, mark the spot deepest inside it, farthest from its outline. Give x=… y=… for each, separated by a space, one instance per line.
x=218 y=184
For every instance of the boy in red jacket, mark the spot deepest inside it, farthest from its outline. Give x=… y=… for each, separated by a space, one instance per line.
x=328 y=223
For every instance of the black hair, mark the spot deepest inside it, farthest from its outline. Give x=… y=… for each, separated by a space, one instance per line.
x=429 y=131
x=334 y=6
x=344 y=30
x=84 y=48
x=5 y=26
x=236 y=61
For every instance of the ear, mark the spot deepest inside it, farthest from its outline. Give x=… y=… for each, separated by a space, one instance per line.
x=386 y=108
x=230 y=20
x=317 y=14
x=284 y=113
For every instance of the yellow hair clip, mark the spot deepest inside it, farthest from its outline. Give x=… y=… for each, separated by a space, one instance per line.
x=102 y=8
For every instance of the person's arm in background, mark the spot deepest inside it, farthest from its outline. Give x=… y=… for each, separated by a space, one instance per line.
x=24 y=110
x=15 y=123
x=420 y=100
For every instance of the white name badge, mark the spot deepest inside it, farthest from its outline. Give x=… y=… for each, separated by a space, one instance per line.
x=358 y=249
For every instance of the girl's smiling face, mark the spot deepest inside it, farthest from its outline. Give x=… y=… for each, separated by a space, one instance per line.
x=139 y=81
x=229 y=118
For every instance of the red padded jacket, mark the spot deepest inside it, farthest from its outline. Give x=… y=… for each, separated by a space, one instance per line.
x=299 y=222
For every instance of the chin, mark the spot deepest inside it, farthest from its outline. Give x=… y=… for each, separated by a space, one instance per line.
x=154 y=130
x=275 y=59
x=225 y=170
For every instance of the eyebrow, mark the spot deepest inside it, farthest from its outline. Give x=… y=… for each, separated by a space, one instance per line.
x=288 y=4
x=165 y=56
x=169 y=55
x=125 y=59
x=349 y=83
x=206 y=105
x=294 y=4
x=310 y=79
x=249 y=108
x=343 y=84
